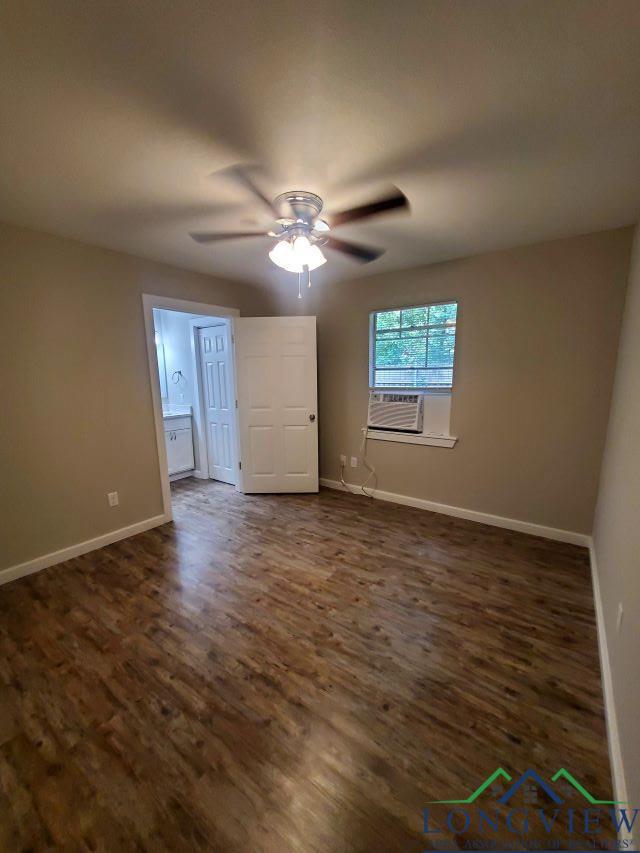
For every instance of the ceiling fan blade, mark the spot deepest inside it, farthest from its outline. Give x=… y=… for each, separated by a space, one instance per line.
x=361 y=253
x=213 y=236
x=395 y=201
x=241 y=175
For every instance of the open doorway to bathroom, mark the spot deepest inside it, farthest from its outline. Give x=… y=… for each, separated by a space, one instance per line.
x=193 y=353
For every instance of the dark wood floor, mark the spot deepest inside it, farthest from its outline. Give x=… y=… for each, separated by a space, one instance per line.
x=290 y=673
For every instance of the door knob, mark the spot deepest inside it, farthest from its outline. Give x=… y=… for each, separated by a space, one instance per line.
x=312 y=418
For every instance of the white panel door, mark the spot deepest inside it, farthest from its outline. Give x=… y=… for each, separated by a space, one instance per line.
x=216 y=362
x=276 y=377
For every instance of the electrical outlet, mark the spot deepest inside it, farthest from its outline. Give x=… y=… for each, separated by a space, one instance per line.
x=343 y=459
x=620 y=615
x=354 y=461
x=113 y=498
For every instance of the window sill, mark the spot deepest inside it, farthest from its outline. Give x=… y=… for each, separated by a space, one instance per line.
x=412 y=438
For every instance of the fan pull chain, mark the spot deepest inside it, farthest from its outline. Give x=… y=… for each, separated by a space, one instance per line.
x=299 y=285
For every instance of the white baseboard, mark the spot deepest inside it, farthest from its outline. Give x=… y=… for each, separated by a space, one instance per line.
x=181 y=475
x=471 y=515
x=19 y=571
x=611 y=718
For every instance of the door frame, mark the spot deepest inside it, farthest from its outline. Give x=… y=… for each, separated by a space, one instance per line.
x=185 y=306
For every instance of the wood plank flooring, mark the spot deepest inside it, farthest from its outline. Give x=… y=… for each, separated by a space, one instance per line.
x=290 y=673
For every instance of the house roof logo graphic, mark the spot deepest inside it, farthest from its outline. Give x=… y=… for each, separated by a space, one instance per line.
x=528 y=777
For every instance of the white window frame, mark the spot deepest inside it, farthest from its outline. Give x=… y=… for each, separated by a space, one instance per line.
x=426 y=389
x=434 y=396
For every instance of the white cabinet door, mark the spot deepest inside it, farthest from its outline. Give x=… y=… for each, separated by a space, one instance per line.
x=219 y=401
x=276 y=377
x=168 y=440
x=179 y=444
x=183 y=449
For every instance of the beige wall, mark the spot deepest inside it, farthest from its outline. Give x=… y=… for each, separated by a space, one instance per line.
x=536 y=350
x=77 y=418
x=537 y=337
x=617 y=533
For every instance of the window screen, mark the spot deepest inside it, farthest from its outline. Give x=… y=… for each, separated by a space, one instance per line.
x=413 y=347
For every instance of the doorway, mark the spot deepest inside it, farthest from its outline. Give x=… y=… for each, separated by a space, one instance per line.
x=250 y=398
x=189 y=346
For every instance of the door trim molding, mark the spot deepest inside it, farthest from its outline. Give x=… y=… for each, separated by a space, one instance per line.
x=618 y=776
x=185 y=306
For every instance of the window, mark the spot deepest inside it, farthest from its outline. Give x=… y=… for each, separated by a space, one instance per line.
x=413 y=347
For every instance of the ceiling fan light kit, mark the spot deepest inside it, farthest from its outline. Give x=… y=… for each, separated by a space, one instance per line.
x=296 y=252
x=302 y=232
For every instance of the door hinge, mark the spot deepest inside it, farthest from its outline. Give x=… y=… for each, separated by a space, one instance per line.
x=236 y=404
x=240 y=465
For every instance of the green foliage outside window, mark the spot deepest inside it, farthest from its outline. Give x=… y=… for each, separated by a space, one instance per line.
x=414 y=347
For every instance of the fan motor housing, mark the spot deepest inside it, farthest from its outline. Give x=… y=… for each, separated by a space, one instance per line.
x=299 y=205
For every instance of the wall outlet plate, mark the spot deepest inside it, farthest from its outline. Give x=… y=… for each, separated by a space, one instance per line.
x=113 y=498
x=354 y=461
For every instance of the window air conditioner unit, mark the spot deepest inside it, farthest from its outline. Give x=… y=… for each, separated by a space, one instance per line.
x=398 y=412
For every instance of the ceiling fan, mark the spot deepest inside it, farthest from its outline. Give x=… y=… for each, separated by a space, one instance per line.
x=301 y=233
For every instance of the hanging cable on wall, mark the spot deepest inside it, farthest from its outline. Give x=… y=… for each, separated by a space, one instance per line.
x=367 y=465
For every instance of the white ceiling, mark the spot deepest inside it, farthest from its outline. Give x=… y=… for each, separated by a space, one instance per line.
x=504 y=121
